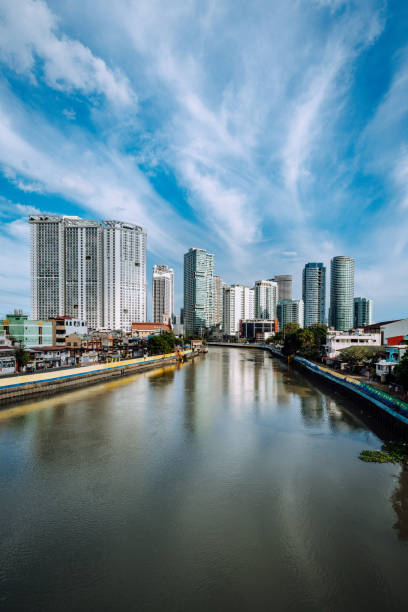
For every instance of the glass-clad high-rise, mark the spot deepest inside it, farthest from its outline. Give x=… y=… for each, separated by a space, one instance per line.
x=314 y=293
x=198 y=291
x=342 y=293
x=363 y=311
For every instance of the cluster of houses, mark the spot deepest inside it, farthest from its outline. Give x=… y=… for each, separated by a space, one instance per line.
x=391 y=336
x=65 y=341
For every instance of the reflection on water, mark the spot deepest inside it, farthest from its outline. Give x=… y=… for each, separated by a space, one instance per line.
x=399 y=501
x=230 y=482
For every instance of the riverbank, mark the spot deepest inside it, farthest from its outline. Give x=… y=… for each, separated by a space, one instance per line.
x=14 y=389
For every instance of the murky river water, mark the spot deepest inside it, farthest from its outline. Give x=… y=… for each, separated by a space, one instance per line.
x=230 y=483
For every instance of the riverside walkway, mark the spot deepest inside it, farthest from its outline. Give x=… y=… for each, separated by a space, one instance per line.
x=13 y=387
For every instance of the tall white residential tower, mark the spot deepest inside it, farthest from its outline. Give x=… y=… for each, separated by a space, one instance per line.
x=89 y=270
x=266 y=299
x=125 y=287
x=238 y=305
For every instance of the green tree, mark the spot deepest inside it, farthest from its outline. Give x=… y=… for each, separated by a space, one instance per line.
x=292 y=342
x=22 y=357
x=401 y=371
x=161 y=344
x=319 y=332
x=307 y=344
x=358 y=356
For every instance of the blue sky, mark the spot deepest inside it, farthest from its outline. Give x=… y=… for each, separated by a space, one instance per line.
x=271 y=133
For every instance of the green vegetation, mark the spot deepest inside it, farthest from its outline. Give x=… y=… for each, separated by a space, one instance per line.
x=304 y=341
x=22 y=357
x=401 y=371
x=392 y=452
x=162 y=344
x=359 y=356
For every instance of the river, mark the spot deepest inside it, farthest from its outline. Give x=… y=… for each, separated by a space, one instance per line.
x=227 y=483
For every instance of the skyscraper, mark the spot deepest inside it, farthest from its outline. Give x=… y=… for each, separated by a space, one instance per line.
x=125 y=287
x=198 y=290
x=66 y=268
x=83 y=271
x=363 y=312
x=342 y=293
x=89 y=270
x=290 y=311
x=238 y=305
x=47 y=234
x=314 y=293
x=218 y=299
x=266 y=299
x=284 y=286
x=162 y=293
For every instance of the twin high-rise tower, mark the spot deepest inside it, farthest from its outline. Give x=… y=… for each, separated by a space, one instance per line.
x=88 y=270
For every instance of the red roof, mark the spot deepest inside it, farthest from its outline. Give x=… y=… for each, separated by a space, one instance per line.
x=148 y=326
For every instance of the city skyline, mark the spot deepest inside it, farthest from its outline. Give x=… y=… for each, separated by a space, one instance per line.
x=266 y=155
x=73 y=272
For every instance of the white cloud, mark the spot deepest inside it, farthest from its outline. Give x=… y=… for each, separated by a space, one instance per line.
x=247 y=111
x=69 y=114
x=30 y=31
x=98 y=178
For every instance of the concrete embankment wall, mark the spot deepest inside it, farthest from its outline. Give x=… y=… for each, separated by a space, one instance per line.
x=19 y=387
x=389 y=407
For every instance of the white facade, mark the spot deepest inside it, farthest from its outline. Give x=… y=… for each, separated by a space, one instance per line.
x=88 y=270
x=238 y=305
x=266 y=297
x=162 y=293
x=391 y=330
x=83 y=270
x=47 y=266
x=125 y=287
x=337 y=340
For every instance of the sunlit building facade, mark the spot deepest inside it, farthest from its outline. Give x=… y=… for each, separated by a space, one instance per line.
x=198 y=291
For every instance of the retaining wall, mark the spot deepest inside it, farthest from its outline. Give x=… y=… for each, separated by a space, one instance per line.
x=15 y=388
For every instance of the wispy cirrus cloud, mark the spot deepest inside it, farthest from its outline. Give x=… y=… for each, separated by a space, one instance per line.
x=30 y=32
x=255 y=133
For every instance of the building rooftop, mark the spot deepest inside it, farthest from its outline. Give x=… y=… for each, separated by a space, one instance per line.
x=147 y=325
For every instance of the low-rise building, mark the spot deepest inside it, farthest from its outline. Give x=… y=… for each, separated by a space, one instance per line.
x=258 y=329
x=338 y=340
x=394 y=333
x=394 y=353
x=7 y=360
x=43 y=357
x=64 y=326
x=147 y=329
x=19 y=327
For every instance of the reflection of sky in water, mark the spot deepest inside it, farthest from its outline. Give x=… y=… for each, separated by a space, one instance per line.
x=221 y=480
